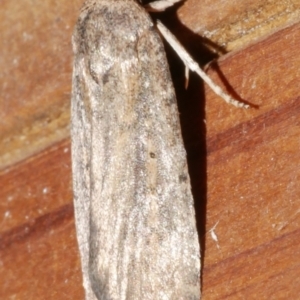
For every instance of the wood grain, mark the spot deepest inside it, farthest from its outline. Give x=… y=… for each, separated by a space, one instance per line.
x=253 y=174
x=38 y=247
x=244 y=164
x=233 y=24
x=35 y=59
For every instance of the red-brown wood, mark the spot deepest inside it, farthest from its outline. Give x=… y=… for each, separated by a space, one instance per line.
x=253 y=175
x=243 y=163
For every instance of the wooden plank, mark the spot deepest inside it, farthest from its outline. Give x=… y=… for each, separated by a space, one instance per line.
x=36 y=55
x=36 y=186
x=38 y=247
x=233 y=24
x=243 y=164
x=35 y=59
x=40 y=260
x=253 y=175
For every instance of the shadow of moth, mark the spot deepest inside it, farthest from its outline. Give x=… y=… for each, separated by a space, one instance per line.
x=134 y=210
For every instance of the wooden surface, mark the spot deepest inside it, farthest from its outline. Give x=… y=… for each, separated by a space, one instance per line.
x=232 y=24
x=244 y=164
x=253 y=176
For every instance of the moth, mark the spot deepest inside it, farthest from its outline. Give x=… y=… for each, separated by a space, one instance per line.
x=134 y=209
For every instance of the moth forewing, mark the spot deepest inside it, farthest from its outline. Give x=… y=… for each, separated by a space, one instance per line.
x=134 y=210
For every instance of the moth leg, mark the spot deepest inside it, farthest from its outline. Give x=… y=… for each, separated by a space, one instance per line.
x=160 y=5
x=193 y=66
x=187 y=76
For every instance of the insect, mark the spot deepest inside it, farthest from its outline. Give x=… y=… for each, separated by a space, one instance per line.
x=134 y=209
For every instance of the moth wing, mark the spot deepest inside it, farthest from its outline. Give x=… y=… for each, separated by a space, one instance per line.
x=133 y=204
